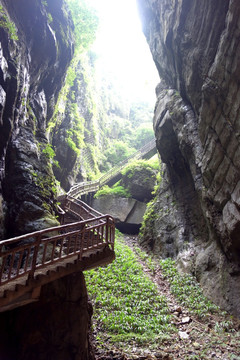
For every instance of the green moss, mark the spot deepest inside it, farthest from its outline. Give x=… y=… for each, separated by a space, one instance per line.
x=138 y=165
x=49 y=153
x=8 y=25
x=75 y=134
x=116 y=190
x=46 y=184
x=150 y=214
x=71 y=75
x=32 y=118
x=71 y=143
x=148 y=218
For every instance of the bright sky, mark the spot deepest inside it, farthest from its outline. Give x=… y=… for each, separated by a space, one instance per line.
x=123 y=48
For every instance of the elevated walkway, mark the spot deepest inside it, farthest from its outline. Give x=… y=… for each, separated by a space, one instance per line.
x=113 y=175
x=85 y=240
x=30 y=261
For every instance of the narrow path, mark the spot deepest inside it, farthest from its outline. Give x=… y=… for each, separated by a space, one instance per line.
x=215 y=337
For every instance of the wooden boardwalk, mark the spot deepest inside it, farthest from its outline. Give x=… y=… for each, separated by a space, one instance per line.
x=113 y=174
x=29 y=261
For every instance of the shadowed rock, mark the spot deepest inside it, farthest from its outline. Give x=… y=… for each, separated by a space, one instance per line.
x=196 y=50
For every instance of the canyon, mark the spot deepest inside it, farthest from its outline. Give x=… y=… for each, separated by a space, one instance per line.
x=195 y=215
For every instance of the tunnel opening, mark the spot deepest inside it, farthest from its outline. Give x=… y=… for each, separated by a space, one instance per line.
x=129 y=229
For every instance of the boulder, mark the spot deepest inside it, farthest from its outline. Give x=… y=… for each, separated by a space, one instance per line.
x=127 y=212
x=140 y=183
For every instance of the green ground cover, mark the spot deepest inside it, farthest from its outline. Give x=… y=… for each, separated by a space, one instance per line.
x=127 y=305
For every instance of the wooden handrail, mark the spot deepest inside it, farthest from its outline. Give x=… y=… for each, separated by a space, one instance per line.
x=24 y=255
x=82 y=209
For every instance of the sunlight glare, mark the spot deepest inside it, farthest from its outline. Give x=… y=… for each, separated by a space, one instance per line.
x=123 y=50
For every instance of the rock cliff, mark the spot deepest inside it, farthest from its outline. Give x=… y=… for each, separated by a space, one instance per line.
x=36 y=47
x=127 y=212
x=195 y=46
x=75 y=133
x=55 y=327
x=33 y=67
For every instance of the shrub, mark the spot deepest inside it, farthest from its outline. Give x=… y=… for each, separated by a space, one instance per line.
x=116 y=190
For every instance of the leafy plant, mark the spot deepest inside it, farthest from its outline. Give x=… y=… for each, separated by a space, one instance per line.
x=142 y=135
x=135 y=165
x=187 y=290
x=8 y=25
x=127 y=306
x=117 y=152
x=50 y=154
x=86 y=23
x=50 y=18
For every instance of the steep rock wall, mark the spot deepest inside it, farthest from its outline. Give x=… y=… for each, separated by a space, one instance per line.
x=31 y=76
x=75 y=135
x=196 y=50
x=55 y=327
x=32 y=71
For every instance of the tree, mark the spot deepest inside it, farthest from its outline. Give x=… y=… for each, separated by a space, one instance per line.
x=116 y=153
x=85 y=22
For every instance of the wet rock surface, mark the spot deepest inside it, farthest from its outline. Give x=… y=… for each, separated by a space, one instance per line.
x=196 y=50
x=32 y=71
x=140 y=183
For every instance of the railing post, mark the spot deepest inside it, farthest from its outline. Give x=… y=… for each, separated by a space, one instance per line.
x=34 y=260
x=107 y=229
x=81 y=239
x=113 y=236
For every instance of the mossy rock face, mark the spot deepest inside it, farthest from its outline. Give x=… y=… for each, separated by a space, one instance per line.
x=47 y=221
x=37 y=220
x=140 y=183
x=33 y=74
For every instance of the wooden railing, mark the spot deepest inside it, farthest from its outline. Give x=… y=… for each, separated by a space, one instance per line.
x=93 y=186
x=24 y=255
x=80 y=210
x=84 y=188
